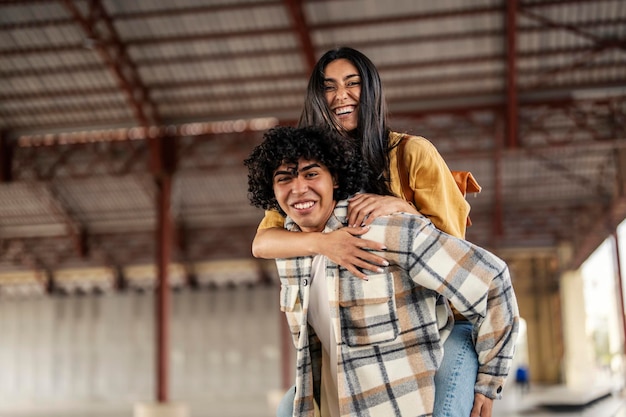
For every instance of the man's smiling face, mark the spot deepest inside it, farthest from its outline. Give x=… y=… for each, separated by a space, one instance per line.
x=305 y=193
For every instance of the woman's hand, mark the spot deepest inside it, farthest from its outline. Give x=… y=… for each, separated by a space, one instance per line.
x=344 y=248
x=364 y=208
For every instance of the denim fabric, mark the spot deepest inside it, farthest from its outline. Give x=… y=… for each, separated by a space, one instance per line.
x=285 y=407
x=454 y=381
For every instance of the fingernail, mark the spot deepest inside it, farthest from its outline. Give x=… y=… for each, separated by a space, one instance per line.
x=380 y=270
x=386 y=263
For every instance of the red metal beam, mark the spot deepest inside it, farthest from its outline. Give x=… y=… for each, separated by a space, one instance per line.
x=74 y=229
x=574 y=28
x=511 y=75
x=604 y=225
x=498 y=218
x=6 y=158
x=164 y=239
x=194 y=10
x=163 y=165
x=301 y=27
x=113 y=52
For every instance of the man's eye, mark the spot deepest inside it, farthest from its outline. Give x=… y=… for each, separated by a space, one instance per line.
x=311 y=174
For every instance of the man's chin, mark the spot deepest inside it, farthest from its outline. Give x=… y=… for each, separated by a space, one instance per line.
x=307 y=226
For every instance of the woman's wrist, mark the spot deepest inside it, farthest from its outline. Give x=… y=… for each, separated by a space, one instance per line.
x=315 y=244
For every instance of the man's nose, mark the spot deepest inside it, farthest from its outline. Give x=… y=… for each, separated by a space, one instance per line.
x=299 y=185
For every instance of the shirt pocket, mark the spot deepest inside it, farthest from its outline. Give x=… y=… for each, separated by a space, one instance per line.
x=367 y=310
x=291 y=305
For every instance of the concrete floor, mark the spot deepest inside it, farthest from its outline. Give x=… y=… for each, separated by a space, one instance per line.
x=513 y=404
x=557 y=401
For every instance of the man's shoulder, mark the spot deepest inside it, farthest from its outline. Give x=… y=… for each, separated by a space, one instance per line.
x=401 y=220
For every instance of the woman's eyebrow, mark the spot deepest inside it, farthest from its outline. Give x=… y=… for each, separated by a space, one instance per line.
x=347 y=77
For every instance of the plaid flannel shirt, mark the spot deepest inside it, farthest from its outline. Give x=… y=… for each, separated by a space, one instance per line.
x=391 y=328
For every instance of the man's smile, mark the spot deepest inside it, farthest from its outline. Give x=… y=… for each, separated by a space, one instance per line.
x=303 y=205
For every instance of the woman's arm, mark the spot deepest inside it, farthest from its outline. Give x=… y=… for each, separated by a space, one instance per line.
x=342 y=247
x=435 y=192
x=364 y=208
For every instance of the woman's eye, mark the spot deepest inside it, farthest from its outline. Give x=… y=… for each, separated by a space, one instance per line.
x=329 y=88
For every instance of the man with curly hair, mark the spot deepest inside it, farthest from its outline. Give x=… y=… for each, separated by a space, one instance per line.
x=371 y=347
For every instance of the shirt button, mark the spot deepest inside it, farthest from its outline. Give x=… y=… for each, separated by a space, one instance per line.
x=305 y=282
x=499 y=390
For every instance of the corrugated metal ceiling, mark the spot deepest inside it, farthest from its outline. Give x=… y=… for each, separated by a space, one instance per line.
x=529 y=95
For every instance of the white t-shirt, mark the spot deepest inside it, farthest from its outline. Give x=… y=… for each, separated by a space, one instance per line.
x=319 y=318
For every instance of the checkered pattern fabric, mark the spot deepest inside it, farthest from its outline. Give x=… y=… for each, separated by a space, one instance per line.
x=391 y=328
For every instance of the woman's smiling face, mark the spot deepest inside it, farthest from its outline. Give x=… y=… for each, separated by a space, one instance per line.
x=342 y=89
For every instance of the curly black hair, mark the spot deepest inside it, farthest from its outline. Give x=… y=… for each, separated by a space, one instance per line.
x=286 y=144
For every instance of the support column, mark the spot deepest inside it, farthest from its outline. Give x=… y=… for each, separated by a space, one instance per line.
x=620 y=296
x=164 y=240
x=6 y=158
x=160 y=410
x=578 y=364
x=163 y=164
x=540 y=304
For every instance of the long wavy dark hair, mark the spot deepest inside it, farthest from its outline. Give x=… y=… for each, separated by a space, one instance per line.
x=372 y=131
x=287 y=144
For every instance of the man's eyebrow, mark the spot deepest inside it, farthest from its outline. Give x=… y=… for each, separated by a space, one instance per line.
x=310 y=166
x=285 y=172
x=295 y=170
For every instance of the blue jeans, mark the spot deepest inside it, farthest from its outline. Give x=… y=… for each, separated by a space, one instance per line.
x=454 y=380
x=285 y=407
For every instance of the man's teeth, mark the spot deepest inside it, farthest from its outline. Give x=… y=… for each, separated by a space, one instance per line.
x=303 y=206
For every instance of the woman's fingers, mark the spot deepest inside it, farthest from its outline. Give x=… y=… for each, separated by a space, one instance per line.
x=345 y=248
x=364 y=208
x=360 y=208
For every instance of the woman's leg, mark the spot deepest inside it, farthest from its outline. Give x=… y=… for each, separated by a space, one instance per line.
x=285 y=407
x=455 y=378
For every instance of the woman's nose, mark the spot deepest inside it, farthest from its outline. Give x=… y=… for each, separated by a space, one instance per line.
x=342 y=92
